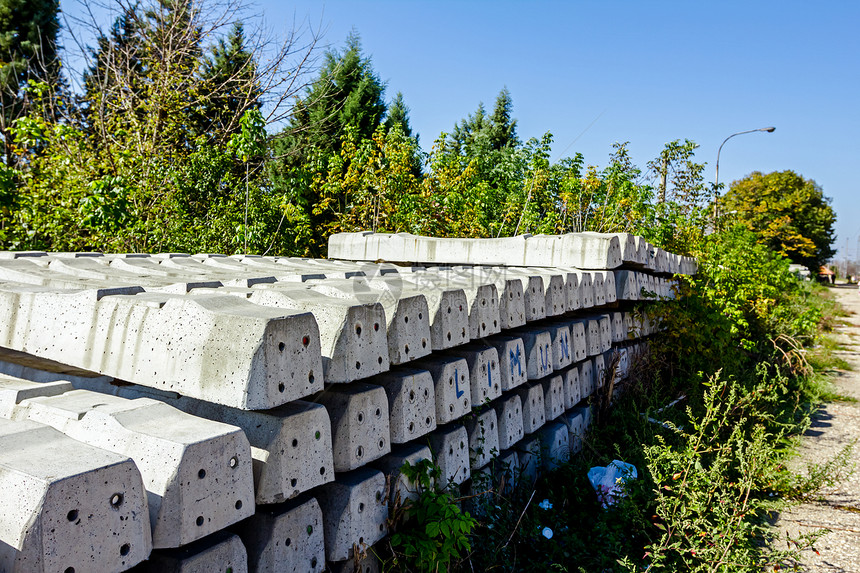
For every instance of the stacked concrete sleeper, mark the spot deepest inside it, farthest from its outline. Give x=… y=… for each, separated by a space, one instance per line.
x=253 y=413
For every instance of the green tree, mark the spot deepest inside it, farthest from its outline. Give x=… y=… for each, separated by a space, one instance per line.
x=787 y=212
x=231 y=72
x=398 y=115
x=346 y=97
x=28 y=44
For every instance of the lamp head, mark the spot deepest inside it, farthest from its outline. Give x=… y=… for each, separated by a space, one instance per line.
x=768 y=129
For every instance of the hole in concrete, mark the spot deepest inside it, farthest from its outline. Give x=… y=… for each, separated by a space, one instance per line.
x=201 y=474
x=375 y=326
x=311 y=377
x=358 y=330
x=427 y=420
x=116 y=500
x=306 y=340
x=379 y=359
x=412 y=395
x=382 y=444
x=359 y=452
x=451 y=408
x=449 y=310
x=314 y=562
x=295 y=442
x=420 y=315
x=495 y=323
x=281 y=346
x=406 y=319
x=411 y=427
x=360 y=507
x=423 y=343
x=357 y=365
x=238 y=504
x=450 y=381
x=381 y=527
x=317 y=435
x=199 y=520
x=360 y=417
x=72 y=515
x=322 y=470
x=69 y=570
x=449 y=335
x=281 y=387
x=464 y=333
x=293 y=482
x=461 y=445
x=361 y=540
x=288 y=542
x=234 y=461
x=483 y=326
x=124 y=549
x=310 y=529
x=426 y=393
x=483 y=302
x=406 y=349
x=451 y=450
x=378 y=412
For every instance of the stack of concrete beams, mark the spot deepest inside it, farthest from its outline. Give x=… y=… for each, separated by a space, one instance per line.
x=174 y=413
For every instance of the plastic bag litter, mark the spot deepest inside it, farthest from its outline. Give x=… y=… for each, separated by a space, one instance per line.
x=609 y=481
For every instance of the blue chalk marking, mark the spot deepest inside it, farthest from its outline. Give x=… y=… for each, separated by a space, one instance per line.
x=457 y=383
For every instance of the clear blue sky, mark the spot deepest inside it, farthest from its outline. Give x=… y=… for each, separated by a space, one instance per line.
x=647 y=72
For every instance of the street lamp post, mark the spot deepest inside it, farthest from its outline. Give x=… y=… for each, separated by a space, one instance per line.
x=717 y=174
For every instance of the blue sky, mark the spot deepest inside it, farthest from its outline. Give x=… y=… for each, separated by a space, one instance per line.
x=647 y=72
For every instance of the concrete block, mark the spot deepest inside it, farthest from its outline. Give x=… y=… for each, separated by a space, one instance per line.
x=450 y=447
x=197 y=473
x=619 y=327
x=555 y=445
x=482 y=298
x=578 y=342
x=529 y=457
x=505 y=470
x=448 y=308
x=562 y=344
x=355 y=511
x=512 y=309
x=571 y=387
x=400 y=488
x=534 y=410
x=575 y=424
x=633 y=320
x=554 y=289
x=538 y=347
x=534 y=292
x=483 y=432
x=605 y=330
x=585 y=288
x=291 y=446
x=622 y=367
x=137 y=338
x=485 y=378
x=585 y=250
x=221 y=551
x=354 y=343
x=627 y=285
x=599 y=371
x=553 y=396
x=367 y=562
x=586 y=378
x=591 y=332
x=512 y=360
x=509 y=415
x=359 y=423
x=585 y=412
x=407 y=316
x=451 y=386
x=609 y=287
x=599 y=288
x=68 y=506
x=287 y=537
x=411 y=403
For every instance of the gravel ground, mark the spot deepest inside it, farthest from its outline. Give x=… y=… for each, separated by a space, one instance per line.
x=834 y=427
